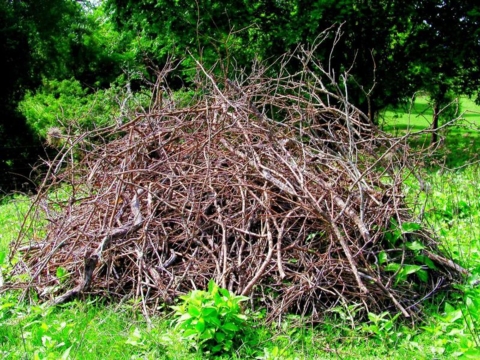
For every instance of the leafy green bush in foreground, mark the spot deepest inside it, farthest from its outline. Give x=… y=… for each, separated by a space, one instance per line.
x=213 y=318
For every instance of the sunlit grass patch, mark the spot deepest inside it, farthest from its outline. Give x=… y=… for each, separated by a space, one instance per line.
x=417 y=116
x=453 y=208
x=12 y=213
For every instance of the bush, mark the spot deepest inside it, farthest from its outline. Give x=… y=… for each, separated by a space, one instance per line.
x=64 y=105
x=213 y=318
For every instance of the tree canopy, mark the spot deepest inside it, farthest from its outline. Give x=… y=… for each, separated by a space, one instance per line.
x=389 y=48
x=51 y=39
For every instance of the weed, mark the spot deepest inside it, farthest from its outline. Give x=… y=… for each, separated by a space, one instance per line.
x=213 y=318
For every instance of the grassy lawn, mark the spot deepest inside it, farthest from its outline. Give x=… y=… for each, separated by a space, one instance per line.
x=460 y=141
x=450 y=328
x=418 y=116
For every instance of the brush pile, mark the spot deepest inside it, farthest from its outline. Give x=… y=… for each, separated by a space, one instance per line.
x=277 y=188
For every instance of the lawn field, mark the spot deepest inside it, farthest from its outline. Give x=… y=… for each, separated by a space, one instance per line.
x=460 y=139
x=449 y=329
x=418 y=116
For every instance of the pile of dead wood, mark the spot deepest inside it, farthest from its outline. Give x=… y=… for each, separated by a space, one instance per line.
x=277 y=188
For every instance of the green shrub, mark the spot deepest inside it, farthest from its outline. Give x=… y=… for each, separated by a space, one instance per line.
x=66 y=106
x=213 y=318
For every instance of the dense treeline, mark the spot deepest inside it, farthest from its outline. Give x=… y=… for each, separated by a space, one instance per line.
x=57 y=53
x=48 y=39
x=389 y=48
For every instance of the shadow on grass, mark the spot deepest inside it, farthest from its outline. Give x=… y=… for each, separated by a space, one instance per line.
x=402 y=127
x=457 y=149
x=459 y=143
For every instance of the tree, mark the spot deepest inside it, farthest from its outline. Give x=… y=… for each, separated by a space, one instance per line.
x=445 y=53
x=390 y=49
x=49 y=39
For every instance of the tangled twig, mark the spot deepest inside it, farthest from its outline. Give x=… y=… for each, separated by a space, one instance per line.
x=258 y=184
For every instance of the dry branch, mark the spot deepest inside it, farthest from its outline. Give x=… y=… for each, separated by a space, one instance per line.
x=258 y=184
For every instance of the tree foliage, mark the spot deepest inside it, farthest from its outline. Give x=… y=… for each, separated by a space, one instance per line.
x=390 y=49
x=34 y=36
x=42 y=41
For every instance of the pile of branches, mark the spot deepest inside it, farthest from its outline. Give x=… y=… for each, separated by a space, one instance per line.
x=277 y=188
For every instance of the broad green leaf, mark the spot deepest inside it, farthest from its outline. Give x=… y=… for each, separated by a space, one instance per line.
x=189 y=333
x=66 y=354
x=393 y=236
x=382 y=257
x=219 y=302
x=209 y=311
x=184 y=317
x=214 y=320
x=411 y=269
x=414 y=246
x=212 y=287
x=61 y=272
x=230 y=327
x=422 y=275
x=372 y=317
x=241 y=317
x=200 y=325
x=426 y=260
x=194 y=311
x=392 y=267
x=453 y=316
x=409 y=227
x=207 y=334
x=216 y=348
x=219 y=336
x=240 y=298
x=179 y=309
x=228 y=345
x=225 y=293
x=449 y=308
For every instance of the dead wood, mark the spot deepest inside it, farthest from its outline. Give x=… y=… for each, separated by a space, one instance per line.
x=277 y=188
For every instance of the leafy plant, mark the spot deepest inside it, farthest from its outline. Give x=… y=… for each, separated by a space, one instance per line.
x=62 y=274
x=59 y=106
x=382 y=326
x=213 y=318
x=402 y=270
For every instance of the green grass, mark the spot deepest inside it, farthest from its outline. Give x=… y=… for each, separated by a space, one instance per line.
x=418 y=116
x=460 y=141
x=85 y=331
x=450 y=328
x=12 y=213
x=93 y=331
